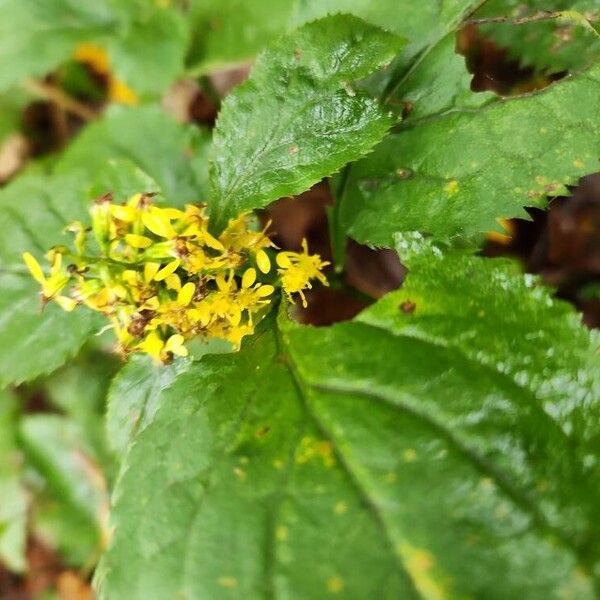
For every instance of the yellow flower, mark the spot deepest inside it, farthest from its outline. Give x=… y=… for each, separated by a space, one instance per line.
x=52 y=285
x=160 y=350
x=160 y=277
x=239 y=237
x=296 y=269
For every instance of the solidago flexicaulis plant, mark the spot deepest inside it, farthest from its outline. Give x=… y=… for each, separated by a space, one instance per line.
x=161 y=278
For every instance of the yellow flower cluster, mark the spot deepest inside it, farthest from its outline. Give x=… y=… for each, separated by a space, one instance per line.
x=162 y=278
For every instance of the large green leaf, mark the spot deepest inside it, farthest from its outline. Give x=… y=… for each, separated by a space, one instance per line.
x=174 y=155
x=146 y=42
x=297 y=118
x=443 y=445
x=455 y=171
x=33 y=213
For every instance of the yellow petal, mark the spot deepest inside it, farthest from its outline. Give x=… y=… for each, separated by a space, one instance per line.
x=283 y=260
x=173 y=282
x=130 y=277
x=119 y=291
x=222 y=283
x=137 y=241
x=175 y=345
x=94 y=56
x=166 y=271
x=56 y=261
x=120 y=92
x=158 y=224
x=249 y=278
x=186 y=293
x=265 y=290
x=65 y=303
x=150 y=270
x=212 y=242
x=263 y=261
x=152 y=345
x=34 y=267
x=171 y=213
x=123 y=213
x=151 y=304
x=134 y=200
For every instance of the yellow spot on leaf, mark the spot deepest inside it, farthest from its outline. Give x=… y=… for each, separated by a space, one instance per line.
x=239 y=473
x=281 y=533
x=452 y=188
x=502 y=511
x=409 y=455
x=227 y=581
x=340 y=508
x=391 y=477
x=578 y=164
x=310 y=449
x=420 y=565
x=335 y=585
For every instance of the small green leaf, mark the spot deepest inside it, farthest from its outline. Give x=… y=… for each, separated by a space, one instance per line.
x=493 y=161
x=470 y=450
x=79 y=389
x=148 y=52
x=229 y=32
x=174 y=155
x=56 y=447
x=299 y=118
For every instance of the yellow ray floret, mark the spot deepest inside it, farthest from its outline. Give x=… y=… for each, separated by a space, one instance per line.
x=161 y=278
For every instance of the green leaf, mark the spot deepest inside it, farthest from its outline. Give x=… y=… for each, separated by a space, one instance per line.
x=298 y=118
x=550 y=46
x=228 y=32
x=57 y=448
x=133 y=397
x=14 y=503
x=148 y=53
x=146 y=43
x=37 y=35
x=436 y=441
x=72 y=535
x=174 y=155
x=493 y=161
x=421 y=24
x=12 y=104
x=33 y=213
x=79 y=389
